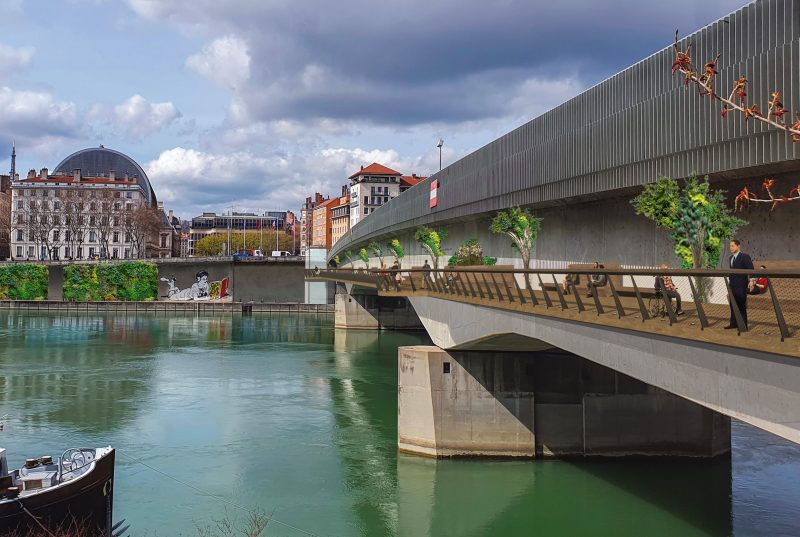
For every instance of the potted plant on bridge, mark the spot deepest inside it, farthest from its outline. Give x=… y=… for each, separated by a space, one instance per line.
x=362 y=253
x=431 y=241
x=523 y=228
x=396 y=250
x=375 y=249
x=348 y=256
x=696 y=216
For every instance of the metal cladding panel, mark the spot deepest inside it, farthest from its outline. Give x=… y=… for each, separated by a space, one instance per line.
x=626 y=131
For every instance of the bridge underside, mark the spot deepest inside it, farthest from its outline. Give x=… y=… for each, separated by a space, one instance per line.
x=758 y=388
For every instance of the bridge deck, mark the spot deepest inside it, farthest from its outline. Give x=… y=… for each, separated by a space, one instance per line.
x=501 y=292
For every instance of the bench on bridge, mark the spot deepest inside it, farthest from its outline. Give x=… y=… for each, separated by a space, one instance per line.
x=484 y=279
x=604 y=291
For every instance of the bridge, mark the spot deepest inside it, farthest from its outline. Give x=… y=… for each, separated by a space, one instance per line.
x=578 y=167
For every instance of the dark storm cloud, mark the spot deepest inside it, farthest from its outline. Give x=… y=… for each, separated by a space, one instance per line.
x=413 y=61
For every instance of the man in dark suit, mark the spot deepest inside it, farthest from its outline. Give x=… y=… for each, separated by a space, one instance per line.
x=739 y=282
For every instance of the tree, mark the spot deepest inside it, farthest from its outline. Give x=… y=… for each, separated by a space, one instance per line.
x=697 y=217
x=523 y=229
x=74 y=223
x=140 y=223
x=375 y=248
x=470 y=253
x=348 y=256
x=212 y=245
x=362 y=253
x=431 y=241
x=396 y=250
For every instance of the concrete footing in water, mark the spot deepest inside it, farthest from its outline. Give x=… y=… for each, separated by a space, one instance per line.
x=542 y=404
x=373 y=312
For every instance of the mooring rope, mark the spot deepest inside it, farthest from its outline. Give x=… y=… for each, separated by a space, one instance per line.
x=35 y=519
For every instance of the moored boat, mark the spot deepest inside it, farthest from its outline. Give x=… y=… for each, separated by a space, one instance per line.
x=75 y=489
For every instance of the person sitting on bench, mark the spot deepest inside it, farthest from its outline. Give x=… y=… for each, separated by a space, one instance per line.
x=569 y=281
x=667 y=289
x=596 y=280
x=758 y=286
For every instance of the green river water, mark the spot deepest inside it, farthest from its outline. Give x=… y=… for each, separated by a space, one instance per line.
x=286 y=414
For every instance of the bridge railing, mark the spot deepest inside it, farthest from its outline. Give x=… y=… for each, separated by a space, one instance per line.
x=765 y=303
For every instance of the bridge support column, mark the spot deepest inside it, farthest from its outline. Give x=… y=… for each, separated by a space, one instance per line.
x=543 y=404
x=373 y=312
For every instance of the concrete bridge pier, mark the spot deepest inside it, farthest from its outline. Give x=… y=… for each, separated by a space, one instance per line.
x=366 y=310
x=542 y=404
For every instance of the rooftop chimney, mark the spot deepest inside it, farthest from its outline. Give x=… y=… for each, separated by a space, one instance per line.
x=31 y=174
x=43 y=173
x=112 y=175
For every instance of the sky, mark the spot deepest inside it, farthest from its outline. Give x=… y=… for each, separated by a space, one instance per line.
x=256 y=104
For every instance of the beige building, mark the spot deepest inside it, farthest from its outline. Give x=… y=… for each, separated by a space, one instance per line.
x=370 y=188
x=340 y=217
x=321 y=233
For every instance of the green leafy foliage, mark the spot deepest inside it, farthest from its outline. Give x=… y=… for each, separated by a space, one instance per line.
x=470 y=253
x=396 y=249
x=697 y=217
x=431 y=241
x=127 y=281
x=213 y=245
x=375 y=248
x=362 y=253
x=23 y=281
x=348 y=255
x=523 y=229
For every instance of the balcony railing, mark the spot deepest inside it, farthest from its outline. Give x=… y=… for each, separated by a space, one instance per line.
x=628 y=298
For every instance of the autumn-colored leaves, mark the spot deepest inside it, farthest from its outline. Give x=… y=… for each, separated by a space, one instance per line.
x=737 y=99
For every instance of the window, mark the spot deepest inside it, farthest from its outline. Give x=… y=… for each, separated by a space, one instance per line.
x=115 y=253
x=67 y=235
x=128 y=206
x=163 y=241
x=117 y=205
x=116 y=220
x=129 y=195
x=115 y=237
x=128 y=237
x=93 y=193
x=91 y=251
x=19 y=251
x=92 y=220
x=92 y=236
x=66 y=252
x=31 y=251
x=79 y=253
x=56 y=235
x=366 y=211
x=93 y=205
x=19 y=236
x=127 y=253
x=20 y=204
x=56 y=205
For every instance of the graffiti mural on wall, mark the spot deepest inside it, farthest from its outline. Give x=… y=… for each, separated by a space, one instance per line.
x=201 y=289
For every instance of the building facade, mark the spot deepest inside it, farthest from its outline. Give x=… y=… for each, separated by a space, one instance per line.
x=98 y=203
x=370 y=188
x=212 y=223
x=340 y=216
x=306 y=221
x=321 y=235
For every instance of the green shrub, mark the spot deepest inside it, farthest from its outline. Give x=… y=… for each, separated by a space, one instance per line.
x=23 y=281
x=470 y=253
x=127 y=281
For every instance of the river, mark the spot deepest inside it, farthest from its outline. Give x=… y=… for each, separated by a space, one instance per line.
x=286 y=414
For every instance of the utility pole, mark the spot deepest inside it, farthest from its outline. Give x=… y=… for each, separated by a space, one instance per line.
x=229 y=245
x=439 y=145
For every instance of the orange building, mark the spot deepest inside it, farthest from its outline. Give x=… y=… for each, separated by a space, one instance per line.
x=322 y=233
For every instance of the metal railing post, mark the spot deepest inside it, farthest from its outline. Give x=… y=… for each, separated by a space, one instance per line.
x=698 y=305
x=642 y=309
x=488 y=289
x=496 y=287
x=617 y=302
x=548 y=303
x=505 y=284
x=577 y=296
x=560 y=294
x=778 y=312
x=519 y=290
x=737 y=315
x=469 y=284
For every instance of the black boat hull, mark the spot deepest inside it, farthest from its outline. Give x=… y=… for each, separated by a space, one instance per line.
x=86 y=503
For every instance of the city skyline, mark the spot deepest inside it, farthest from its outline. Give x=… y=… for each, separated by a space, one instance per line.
x=256 y=105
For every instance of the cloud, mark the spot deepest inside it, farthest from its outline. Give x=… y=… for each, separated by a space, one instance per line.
x=13 y=59
x=191 y=181
x=411 y=62
x=136 y=117
x=225 y=61
x=37 y=121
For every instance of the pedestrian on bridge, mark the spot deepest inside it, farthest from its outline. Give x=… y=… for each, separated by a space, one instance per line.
x=739 y=282
x=596 y=280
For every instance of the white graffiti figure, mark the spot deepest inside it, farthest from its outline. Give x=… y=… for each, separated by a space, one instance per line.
x=198 y=290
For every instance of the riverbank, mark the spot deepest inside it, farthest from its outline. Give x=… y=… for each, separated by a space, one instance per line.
x=166 y=307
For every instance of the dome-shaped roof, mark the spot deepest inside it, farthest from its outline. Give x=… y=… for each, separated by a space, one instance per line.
x=100 y=161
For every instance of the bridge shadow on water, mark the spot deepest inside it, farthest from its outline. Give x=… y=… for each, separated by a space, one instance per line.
x=638 y=495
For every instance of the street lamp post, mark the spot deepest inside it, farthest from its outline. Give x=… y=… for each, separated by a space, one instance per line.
x=439 y=145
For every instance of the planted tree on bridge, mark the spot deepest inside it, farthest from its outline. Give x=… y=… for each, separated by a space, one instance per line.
x=431 y=241
x=396 y=250
x=697 y=217
x=375 y=248
x=523 y=228
x=348 y=256
x=362 y=253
